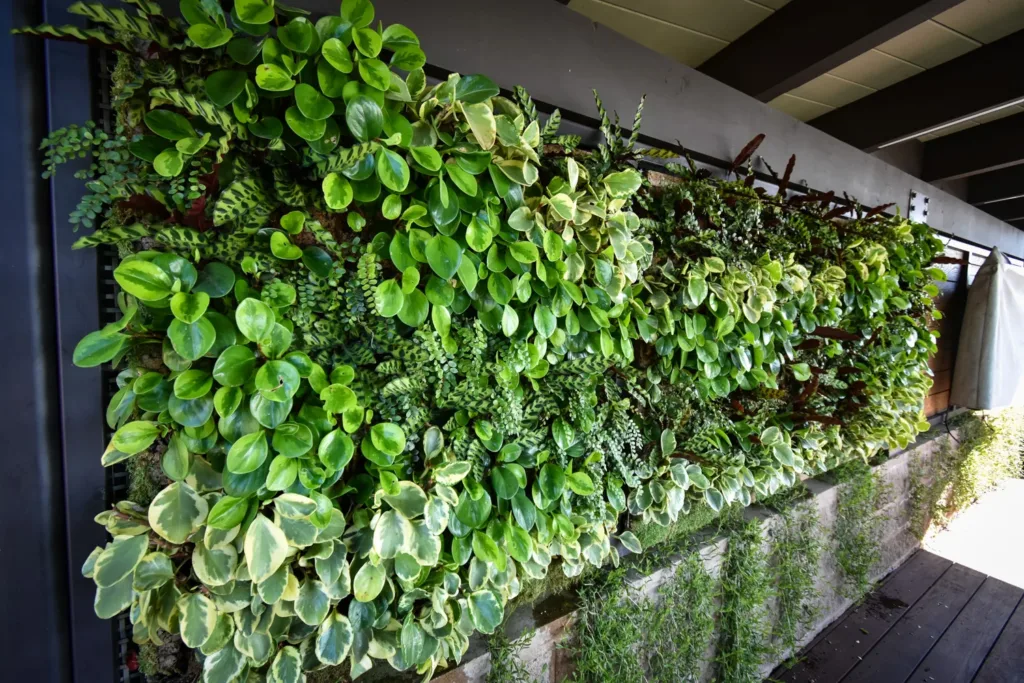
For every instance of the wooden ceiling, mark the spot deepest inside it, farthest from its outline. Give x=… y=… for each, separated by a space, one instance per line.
x=941 y=77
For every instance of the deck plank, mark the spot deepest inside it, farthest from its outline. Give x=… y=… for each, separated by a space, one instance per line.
x=1005 y=662
x=908 y=642
x=838 y=649
x=960 y=652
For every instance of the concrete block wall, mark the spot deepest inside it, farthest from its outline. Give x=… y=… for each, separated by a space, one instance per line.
x=550 y=620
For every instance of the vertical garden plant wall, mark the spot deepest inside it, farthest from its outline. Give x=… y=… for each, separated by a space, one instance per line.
x=391 y=349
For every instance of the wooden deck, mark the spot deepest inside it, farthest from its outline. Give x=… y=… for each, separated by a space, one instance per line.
x=931 y=621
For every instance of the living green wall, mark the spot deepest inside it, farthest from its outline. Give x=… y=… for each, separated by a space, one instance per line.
x=390 y=350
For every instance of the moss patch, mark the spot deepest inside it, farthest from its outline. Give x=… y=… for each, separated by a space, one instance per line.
x=651 y=535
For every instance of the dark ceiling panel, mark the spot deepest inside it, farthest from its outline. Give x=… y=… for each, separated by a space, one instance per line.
x=807 y=38
x=977 y=81
x=1010 y=210
x=988 y=147
x=1007 y=183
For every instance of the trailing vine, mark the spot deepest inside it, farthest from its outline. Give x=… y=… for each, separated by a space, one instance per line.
x=795 y=556
x=682 y=623
x=395 y=349
x=744 y=629
x=608 y=631
x=506 y=664
x=858 y=527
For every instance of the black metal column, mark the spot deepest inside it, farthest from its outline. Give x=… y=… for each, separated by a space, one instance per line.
x=34 y=630
x=69 y=83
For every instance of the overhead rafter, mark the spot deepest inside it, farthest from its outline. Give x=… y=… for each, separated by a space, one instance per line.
x=997 y=186
x=807 y=38
x=988 y=147
x=978 y=81
x=1010 y=210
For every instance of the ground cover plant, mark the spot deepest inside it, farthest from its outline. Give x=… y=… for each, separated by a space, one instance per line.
x=394 y=346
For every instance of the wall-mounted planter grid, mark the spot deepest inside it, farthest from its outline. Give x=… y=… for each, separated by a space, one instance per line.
x=116 y=479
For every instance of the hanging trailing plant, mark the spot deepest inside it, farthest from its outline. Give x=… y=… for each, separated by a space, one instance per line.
x=398 y=345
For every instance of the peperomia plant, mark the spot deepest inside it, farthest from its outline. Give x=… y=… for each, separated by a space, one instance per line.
x=393 y=347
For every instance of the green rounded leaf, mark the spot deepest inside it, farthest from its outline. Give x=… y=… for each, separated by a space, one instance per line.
x=135 y=437
x=152 y=571
x=388 y=298
x=255 y=11
x=427 y=157
x=286 y=667
x=143 y=279
x=292 y=439
x=311 y=103
x=368 y=582
x=228 y=512
x=191 y=341
x=388 y=438
x=169 y=125
x=298 y=35
x=306 y=128
x=334 y=639
x=266 y=548
x=248 y=453
x=119 y=560
x=392 y=170
x=223 y=87
x=254 y=319
x=375 y=73
x=444 y=255
x=234 y=366
x=273 y=78
x=188 y=308
x=177 y=512
x=581 y=483
x=475 y=88
x=337 y=191
x=336 y=450
x=216 y=280
x=552 y=481
x=283 y=473
x=268 y=128
x=485 y=611
x=193 y=384
x=97 y=348
x=359 y=13
x=392 y=534
x=197 y=618
x=415 y=308
x=365 y=118
x=169 y=163
x=337 y=55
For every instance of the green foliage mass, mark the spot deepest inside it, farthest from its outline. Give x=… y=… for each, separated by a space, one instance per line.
x=399 y=345
x=988 y=448
x=858 y=528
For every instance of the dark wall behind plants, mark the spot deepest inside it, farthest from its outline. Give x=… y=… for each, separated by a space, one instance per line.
x=387 y=350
